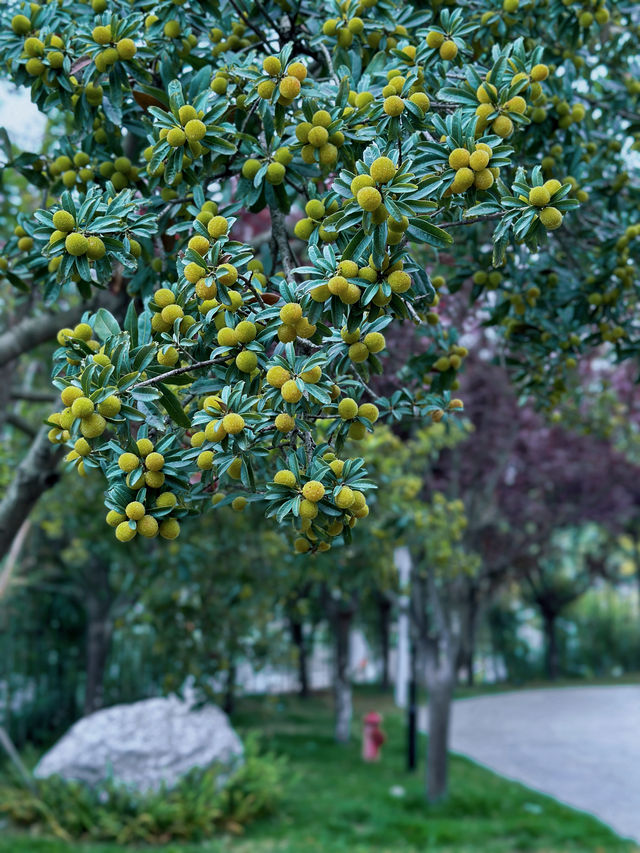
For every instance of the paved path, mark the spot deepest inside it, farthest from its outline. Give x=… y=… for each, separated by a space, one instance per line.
x=581 y=745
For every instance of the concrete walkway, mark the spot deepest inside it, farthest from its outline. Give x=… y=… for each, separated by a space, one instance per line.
x=581 y=745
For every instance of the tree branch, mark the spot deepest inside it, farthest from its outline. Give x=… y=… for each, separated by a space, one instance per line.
x=34 y=475
x=178 y=370
x=279 y=230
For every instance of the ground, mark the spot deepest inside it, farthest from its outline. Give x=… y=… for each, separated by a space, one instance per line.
x=579 y=744
x=335 y=803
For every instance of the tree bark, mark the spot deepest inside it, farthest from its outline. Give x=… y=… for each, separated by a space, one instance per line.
x=384 y=624
x=549 y=620
x=229 y=703
x=342 y=683
x=98 y=604
x=468 y=624
x=439 y=711
x=298 y=639
x=35 y=474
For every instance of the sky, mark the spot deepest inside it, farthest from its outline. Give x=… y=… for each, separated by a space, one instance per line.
x=20 y=117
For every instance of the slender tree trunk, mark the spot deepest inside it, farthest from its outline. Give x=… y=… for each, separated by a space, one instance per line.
x=98 y=641
x=229 y=702
x=342 y=682
x=298 y=639
x=384 y=625
x=549 y=619
x=466 y=651
x=439 y=711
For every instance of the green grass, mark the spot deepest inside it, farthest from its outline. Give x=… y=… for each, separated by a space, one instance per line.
x=335 y=803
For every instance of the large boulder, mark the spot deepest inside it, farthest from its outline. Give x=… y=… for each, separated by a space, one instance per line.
x=144 y=744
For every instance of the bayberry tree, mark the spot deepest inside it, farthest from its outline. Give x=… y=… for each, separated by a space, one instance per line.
x=402 y=139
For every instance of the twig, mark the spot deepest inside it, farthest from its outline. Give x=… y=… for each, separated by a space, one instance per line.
x=178 y=370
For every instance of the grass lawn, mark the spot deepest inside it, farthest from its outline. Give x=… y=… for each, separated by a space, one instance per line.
x=335 y=803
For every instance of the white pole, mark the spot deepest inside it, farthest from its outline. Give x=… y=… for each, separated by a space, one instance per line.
x=402 y=560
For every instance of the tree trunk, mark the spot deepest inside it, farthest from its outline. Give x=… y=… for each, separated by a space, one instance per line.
x=468 y=624
x=384 y=624
x=439 y=711
x=298 y=639
x=229 y=702
x=98 y=641
x=342 y=683
x=98 y=598
x=549 y=619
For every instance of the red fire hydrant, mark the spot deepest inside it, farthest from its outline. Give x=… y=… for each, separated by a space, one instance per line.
x=372 y=737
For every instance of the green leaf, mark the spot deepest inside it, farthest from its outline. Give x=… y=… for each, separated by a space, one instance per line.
x=173 y=406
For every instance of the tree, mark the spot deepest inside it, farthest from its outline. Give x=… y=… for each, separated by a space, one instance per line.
x=391 y=127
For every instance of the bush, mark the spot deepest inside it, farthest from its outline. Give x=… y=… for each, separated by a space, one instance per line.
x=197 y=808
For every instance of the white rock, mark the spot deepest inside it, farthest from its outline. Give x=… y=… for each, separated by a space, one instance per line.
x=143 y=744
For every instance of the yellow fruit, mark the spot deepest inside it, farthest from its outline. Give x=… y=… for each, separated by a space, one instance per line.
x=76 y=244
x=382 y=170
x=463 y=180
x=250 y=168
x=168 y=357
x=233 y=424
x=124 y=532
x=374 y=341
x=502 y=126
x=114 y=518
x=217 y=227
x=163 y=297
x=147 y=526
x=290 y=391
x=291 y=313
x=82 y=407
x=70 y=394
x=552 y=186
x=169 y=528
x=134 y=510
x=246 y=361
x=348 y=409
x=368 y=411
x=126 y=49
x=393 y=105
x=245 y=331
x=358 y=353
x=284 y=422
x=277 y=376
x=101 y=35
x=478 y=160
x=313 y=491
x=275 y=173
x=205 y=460
x=289 y=87
x=459 y=158
x=272 y=66
x=344 y=498
x=539 y=72
x=551 y=218
x=297 y=69
x=154 y=461
x=312 y=376
x=399 y=281
x=110 y=407
x=484 y=179
x=285 y=478
x=448 y=50
x=434 y=39
x=539 y=196
x=176 y=137
x=64 y=221
x=369 y=198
